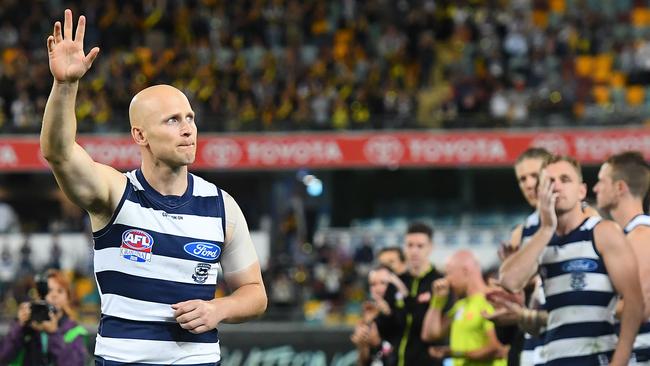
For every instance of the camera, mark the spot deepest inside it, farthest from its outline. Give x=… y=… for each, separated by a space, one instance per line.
x=41 y=309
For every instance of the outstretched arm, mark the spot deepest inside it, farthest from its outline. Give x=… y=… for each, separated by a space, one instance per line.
x=94 y=187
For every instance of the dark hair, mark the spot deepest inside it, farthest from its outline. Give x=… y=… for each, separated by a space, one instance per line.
x=378 y=267
x=420 y=228
x=559 y=158
x=534 y=153
x=631 y=168
x=397 y=250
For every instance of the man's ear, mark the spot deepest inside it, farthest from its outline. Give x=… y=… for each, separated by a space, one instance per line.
x=138 y=136
x=583 y=191
x=621 y=187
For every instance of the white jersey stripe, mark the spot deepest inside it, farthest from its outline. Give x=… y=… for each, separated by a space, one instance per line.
x=134 y=180
x=574 y=347
x=160 y=267
x=122 y=307
x=157 y=352
x=579 y=314
x=199 y=227
x=579 y=249
x=637 y=221
x=562 y=284
x=642 y=340
x=203 y=188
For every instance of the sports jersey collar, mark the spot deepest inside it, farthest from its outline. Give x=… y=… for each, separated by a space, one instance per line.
x=167 y=200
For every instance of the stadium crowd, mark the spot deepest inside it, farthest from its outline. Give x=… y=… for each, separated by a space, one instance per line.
x=301 y=65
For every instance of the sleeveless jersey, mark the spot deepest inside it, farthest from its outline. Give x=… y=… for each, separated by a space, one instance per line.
x=157 y=251
x=642 y=341
x=531 y=344
x=580 y=299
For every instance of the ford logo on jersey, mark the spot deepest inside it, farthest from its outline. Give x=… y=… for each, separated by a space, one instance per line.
x=202 y=250
x=137 y=239
x=580 y=265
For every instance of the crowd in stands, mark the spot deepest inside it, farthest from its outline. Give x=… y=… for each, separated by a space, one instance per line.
x=287 y=64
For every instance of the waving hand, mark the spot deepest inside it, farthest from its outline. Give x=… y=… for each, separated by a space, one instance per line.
x=68 y=63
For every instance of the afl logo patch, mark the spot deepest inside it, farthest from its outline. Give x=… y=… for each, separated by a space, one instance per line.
x=136 y=245
x=202 y=250
x=201 y=272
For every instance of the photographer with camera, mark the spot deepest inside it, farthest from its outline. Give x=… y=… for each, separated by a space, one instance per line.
x=44 y=333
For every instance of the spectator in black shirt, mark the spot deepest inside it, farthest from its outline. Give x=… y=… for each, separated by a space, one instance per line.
x=407 y=312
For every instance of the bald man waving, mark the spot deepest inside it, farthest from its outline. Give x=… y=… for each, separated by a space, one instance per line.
x=160 y=232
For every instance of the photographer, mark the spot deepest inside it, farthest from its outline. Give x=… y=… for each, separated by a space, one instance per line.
x=44 y=334
x=367 y=335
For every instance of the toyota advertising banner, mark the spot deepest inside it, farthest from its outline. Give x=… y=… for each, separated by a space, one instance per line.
x=350 y=150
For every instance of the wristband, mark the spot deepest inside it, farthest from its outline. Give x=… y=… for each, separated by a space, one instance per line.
x=438 y=302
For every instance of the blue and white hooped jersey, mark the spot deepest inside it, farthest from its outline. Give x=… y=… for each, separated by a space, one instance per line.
x=580 y=299
x=642 y=340
x=157 y=251
x=531 y=346
x=531 y=225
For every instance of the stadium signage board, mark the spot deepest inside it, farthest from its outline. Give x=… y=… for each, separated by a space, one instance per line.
x=350 y=150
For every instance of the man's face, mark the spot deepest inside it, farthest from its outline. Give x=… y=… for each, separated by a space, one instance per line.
x=457 y=278
x=567 y=184
x=391 y=260
x=417 y=249
x=378 y=281
x=605 y=189
x=527 y=172
x=168 y=128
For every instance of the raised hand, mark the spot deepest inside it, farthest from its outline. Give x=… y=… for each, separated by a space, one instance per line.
x=546 y=202
x=24 y=313
x=68 y=63
x=506 y=249
x=440 y=287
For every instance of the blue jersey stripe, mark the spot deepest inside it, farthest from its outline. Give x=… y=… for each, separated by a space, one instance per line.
x=595 y=298
x=573 y=237
x=556 y=269
x=642 y=354
x=578 y=330
x=102 y=362
x=222 y=212
x=152 y=290
x=205 y=206
x=113 y=327
x=532 y=343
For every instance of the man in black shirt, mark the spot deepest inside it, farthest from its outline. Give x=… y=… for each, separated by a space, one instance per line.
x=404 y=323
